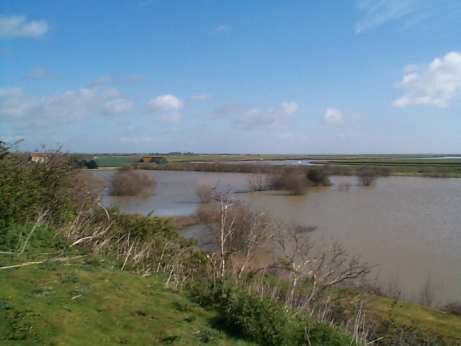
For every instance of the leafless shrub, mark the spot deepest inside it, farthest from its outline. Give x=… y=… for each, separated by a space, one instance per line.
x=129 y=182
x=205 y=193
x=367 y=176
x=258 y=182
x=293 y=181
x=331 y=266
x=391 y=288
x=239 y=232
x=453 y=308
x=86 y=189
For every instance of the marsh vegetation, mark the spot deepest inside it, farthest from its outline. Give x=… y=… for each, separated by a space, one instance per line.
x=130 y=182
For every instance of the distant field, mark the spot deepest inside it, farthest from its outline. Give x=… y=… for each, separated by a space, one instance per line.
x=116 y=161
x=123 y=160
x=413 y=165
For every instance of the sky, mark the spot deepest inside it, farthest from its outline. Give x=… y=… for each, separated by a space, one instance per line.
x=232 y=76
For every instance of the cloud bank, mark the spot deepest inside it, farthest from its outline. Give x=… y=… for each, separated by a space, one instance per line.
x=436 y=84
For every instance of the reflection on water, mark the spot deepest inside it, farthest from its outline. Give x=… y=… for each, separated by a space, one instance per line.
x=175 y=192
x=409 y=226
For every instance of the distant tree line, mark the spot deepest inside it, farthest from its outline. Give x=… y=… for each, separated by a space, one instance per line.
x=90 y=164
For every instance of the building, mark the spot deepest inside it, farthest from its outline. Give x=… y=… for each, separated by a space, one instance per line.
x=39 y=157
x=154 y=159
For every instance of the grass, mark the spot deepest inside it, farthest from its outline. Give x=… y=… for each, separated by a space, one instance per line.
x=429 y=321
x=104 y=161
x=88 y=303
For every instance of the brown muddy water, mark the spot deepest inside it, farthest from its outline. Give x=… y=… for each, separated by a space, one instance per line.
x=409 y=227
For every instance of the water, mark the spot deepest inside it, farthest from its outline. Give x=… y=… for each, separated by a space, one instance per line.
x=409 y=226
x=174 y=193
x=265 y=162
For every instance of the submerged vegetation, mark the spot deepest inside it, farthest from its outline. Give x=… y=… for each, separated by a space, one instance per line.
x=66 y=263
x=129 y=182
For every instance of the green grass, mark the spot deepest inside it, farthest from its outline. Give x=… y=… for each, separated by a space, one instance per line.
x=426 y=320
x=89 y=304
x=116 y=161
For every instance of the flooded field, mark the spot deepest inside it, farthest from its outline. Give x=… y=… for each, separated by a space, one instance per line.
x=410 y=227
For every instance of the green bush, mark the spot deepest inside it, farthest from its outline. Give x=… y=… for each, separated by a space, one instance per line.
x=14 y=236
x=28 y=188
x=144 y=228
x=263 y=320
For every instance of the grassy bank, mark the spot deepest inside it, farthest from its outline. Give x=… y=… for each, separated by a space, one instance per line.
x=86 y=302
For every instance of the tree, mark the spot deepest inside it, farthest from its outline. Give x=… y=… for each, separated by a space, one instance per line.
x=239 y=232
x=323 y=267
x=91 y=164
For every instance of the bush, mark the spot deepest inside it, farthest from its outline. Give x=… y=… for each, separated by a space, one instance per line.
x=28 y=188
x=318 y=176
x=291 y=180
x=205 y=193
x=86 y=189
x=258 y=182
x=129 y=182
x=263 y=320
x=367 y=175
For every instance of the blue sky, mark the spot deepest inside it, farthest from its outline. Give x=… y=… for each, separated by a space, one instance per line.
x=268 y=76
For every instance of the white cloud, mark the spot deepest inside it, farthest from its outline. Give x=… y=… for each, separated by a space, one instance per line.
x=333 y=116
x=118 y=105
x=62 y=107
x=289 y=107
x=223 y=28
x=19 y=26
x=167 y=106
x=250 y=118
x=165 y=103
x=408 y=13
x=38 y=73
x=436 y=84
